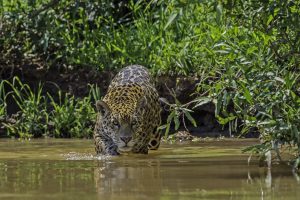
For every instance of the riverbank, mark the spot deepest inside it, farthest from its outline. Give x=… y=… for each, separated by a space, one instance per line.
x=78 y=83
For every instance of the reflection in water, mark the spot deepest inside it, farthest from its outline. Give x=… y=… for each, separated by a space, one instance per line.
x=126 y=179
x=277 y=183
x=46 y=178
x=297 y=177
x=192 y=179
x=173 y=172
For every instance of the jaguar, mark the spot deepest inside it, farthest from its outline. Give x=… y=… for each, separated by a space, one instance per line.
x=128 y=116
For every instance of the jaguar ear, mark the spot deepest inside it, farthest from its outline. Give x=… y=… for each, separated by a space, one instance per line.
x=102 y=107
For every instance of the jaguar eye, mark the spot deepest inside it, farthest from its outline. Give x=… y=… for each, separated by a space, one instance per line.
x=115 y=122
x=134 y=122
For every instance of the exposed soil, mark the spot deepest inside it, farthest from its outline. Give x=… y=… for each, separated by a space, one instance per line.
x=77 y=82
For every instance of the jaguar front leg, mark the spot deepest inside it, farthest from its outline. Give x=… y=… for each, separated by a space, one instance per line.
x=155 y=139
x=105 y=146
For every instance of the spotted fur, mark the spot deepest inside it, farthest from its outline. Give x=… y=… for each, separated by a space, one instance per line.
x=129 y=114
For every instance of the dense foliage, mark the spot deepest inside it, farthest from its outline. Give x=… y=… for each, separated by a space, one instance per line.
x=40 y=115
x=246 y=54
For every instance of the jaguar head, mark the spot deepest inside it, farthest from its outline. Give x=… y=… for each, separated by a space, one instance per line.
x=119 y=128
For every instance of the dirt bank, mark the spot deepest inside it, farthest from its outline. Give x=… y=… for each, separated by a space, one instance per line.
x=77 y=82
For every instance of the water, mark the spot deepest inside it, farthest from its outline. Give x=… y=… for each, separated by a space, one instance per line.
x=68 y=169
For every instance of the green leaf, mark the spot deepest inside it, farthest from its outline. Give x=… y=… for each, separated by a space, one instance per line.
x=218 y=87
x=248 y=96
x=267 y=122
x=251 y=50
x=162 y=127
x=222 y=52
x=219 y=10
x=202 y=101
x=270 y=19
x=172 y=114
x=218 y=105
x=170 y=20
x=224 y=121
x=167 y=130
x=177 y=123
x=279 y=79
x=190 y=118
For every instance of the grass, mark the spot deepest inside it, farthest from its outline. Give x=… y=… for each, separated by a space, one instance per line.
x=32 y=118
x=40 y=115
x=72 y=117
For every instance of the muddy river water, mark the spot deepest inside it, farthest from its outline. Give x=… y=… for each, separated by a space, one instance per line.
x=68 y=169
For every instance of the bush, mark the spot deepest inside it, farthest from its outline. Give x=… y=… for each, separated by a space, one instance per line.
x=72 y=117
x=40 y=115
x=258 y=78
x=32 y=119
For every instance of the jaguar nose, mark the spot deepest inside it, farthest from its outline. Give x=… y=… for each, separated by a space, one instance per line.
x=126 y=139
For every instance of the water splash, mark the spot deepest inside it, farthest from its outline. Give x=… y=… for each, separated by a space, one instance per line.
x=84 y=156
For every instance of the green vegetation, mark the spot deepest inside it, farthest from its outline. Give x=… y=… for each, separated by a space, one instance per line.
x=178 y=112
x=245 y=54
x=2 y=101
x=72 y=117
x=32 y=118
x=40 y=115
